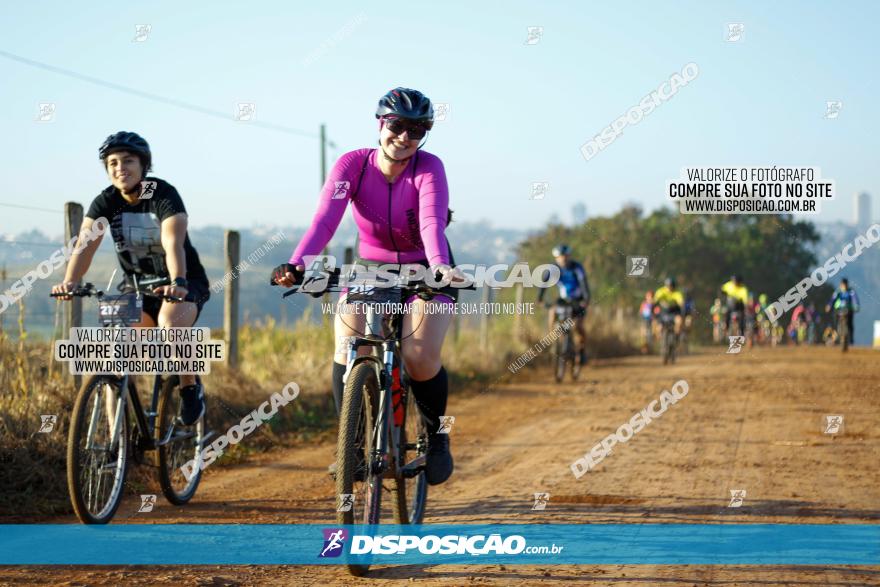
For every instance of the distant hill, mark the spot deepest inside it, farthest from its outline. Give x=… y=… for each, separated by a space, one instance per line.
x=472 y=242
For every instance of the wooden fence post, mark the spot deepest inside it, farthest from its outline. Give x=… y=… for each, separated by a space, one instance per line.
x=517 y=314
x=230 y=303
x=484 y=322
x=73 y=217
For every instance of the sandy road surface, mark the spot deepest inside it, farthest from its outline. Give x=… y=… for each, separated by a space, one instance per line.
x=751 y=421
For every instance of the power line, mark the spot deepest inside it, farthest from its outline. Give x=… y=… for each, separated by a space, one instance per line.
x=151 y=96
x=3 y=242
x=52 y=245
x=30 y=207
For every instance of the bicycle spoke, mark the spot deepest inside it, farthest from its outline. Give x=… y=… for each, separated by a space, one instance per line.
x=101 y=451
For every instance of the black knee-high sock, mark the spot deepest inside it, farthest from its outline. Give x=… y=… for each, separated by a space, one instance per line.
x=338 y=386
x=431 y=398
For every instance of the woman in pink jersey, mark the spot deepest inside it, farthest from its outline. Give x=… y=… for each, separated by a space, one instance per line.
x=400 y=202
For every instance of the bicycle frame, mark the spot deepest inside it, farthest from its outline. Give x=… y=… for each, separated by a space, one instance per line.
x=384 y=446
x=144 y=420
x=374 y=336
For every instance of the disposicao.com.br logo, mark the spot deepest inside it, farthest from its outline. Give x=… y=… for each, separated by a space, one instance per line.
x=451 y=544
x=334 y=542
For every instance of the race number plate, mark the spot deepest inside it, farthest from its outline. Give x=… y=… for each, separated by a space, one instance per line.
x=121 y=310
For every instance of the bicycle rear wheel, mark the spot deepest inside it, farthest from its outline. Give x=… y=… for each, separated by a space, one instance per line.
x=178 y=446
x=410 y=495
x=97 y=450
x=360 y=500
x=843 y=332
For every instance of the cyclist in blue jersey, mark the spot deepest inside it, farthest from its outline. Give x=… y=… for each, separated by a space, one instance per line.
x=844 y=298
x=573 y=288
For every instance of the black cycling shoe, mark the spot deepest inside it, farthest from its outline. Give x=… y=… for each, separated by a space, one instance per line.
x=439 y=460
x=193 y=406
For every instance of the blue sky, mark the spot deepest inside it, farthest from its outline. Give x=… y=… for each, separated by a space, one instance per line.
x=518 y=113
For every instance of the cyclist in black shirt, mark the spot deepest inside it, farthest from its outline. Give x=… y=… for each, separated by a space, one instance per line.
x=148 y=223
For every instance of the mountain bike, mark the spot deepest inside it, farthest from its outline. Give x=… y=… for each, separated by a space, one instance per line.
x=668 y=338
x=765 y=330
x=812 y=331
x=801 y=332
x=382 y=437
x=109 y=425
x=684 y=336
x=750 y=330
x=843 y=327
x=736 y=325
x=564 y=351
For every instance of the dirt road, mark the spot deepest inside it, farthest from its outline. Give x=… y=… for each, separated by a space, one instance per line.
x=751 y=421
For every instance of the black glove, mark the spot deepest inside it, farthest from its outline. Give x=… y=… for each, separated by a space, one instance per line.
x=279 y=272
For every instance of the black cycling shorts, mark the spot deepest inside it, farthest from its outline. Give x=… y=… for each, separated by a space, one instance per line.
x=200 y=293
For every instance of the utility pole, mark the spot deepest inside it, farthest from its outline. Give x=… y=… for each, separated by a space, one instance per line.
x=2 y=289
x=323 y=154
x=324 y=142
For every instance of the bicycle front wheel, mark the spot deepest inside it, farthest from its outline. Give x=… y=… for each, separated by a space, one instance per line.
x=97 y=450
x=575 y=359
x=358 y=484
x=179 y=447
x=411 y=494
x=668 y=346
x=559 y=359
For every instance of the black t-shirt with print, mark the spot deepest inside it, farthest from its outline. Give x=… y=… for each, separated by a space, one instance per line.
x=137 y=234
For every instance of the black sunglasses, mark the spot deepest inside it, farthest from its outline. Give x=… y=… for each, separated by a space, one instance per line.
x=415 y=129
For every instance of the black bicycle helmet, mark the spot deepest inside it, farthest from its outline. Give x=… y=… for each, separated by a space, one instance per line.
x=127 y=141
x=561 y=250
x=407 y=103
x=669 y=282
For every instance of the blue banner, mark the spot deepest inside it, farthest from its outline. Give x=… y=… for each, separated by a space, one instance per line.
x=293 y=544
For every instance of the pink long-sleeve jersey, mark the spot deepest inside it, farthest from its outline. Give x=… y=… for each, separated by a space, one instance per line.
x=400 y=222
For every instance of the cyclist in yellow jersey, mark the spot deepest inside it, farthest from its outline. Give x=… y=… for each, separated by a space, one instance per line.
x=737 y=295
x=671 y=301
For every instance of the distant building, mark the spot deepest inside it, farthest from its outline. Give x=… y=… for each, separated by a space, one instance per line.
x=578 y=213
x=862 y=210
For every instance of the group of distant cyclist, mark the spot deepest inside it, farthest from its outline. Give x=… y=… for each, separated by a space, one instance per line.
x=737 y=311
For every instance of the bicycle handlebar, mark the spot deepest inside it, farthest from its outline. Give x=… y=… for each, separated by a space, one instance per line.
x=88 y=290
x=418 y=287
x=82 y=291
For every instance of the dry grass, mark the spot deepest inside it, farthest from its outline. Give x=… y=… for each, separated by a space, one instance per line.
x=32 y=464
